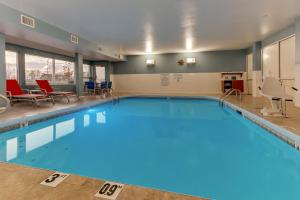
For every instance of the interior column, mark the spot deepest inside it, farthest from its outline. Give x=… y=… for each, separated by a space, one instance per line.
x=79 y=74
x=257 y=73
x=297 y=68
x=2 y=65
x=21 y=68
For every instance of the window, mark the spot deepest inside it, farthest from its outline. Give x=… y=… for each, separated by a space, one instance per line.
x=11 y=65
x=59 y=72
x=86 y=72
x=64 y=72
x=100 y=74
x=37 y=67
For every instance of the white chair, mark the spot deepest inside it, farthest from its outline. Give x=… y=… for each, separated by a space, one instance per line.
x=273 y=90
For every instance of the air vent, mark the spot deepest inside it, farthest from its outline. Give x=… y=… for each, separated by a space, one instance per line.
x=27 y=21
x=74 y=39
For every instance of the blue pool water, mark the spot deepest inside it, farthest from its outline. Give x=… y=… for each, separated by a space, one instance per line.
x=180 y=145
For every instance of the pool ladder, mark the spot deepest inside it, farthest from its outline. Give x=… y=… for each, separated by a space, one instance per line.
x=115 y=99
x=238 y=94
x=7 y=104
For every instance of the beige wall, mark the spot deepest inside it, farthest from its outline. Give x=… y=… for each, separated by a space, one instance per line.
x=179 y=83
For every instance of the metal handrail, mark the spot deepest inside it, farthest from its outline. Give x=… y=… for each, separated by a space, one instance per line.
x=115 y=98
x=228 y=93
x=7 y=107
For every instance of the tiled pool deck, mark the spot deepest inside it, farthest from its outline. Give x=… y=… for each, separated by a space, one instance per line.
x=23 y=183
x=19 y=182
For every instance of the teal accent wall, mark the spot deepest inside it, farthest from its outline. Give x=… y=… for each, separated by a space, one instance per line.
x=286 y=32
x=214 y=61
x=256 y=51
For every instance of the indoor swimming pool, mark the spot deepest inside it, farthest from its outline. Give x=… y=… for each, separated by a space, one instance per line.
x=182 y=145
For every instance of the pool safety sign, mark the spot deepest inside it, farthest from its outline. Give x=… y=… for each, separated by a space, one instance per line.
x=109 y=190
x=55 y=179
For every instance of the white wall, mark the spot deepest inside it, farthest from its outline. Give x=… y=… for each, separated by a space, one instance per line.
x=191 y=83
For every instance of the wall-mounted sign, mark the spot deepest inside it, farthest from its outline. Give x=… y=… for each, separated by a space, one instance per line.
x=178 y=77
x=150 y=62
x=191 y=60
x=164 y=79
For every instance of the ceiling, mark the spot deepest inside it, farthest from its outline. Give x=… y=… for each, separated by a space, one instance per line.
x=159 y=26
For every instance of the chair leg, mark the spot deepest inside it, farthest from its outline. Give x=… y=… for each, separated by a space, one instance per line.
x=36 y=102
x=68 y=99
x=53 y=102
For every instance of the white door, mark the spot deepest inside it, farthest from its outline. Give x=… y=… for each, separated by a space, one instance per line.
x=249 y=72
x=271 y=61
x=287 y=63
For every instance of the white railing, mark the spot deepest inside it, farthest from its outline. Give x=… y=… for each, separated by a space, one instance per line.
x=238 y=94
x=115 y=99
x=7 y=104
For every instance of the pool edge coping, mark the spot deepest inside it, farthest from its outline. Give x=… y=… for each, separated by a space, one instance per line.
x=282 y=133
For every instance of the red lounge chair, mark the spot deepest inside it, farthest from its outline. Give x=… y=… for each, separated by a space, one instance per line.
x=49 y=91
x=15 y=93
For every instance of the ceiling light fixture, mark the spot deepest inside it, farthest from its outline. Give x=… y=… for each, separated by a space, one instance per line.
x=149 y=47
x=189 y=44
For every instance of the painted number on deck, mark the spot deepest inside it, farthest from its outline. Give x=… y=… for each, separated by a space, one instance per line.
x=110 y=190
x=55 y=179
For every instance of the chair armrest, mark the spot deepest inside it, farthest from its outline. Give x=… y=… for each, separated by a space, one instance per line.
x=44 y=91
x=38 y=91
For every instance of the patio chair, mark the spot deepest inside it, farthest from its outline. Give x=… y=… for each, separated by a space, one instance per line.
x=48 y=90
x=89 y=87
x=273 y=90
x=15 y=93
